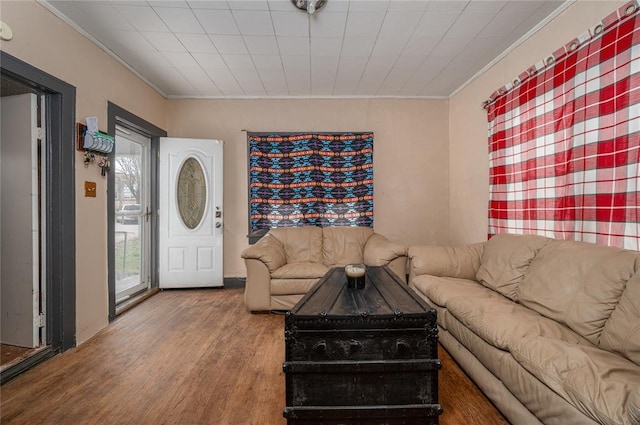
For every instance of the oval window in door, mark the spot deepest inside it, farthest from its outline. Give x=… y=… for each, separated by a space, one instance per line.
x=192 y=193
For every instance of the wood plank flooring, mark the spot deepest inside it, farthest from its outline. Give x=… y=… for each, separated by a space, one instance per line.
x=187 y=357
x=10 y=354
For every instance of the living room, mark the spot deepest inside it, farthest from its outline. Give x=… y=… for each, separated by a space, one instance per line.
x=430 y=154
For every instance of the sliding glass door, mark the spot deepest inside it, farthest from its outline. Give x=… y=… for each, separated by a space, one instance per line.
x=132 y=212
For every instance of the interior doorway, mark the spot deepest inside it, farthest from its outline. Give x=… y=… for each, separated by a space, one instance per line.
x=38 y=227
x=22 y=235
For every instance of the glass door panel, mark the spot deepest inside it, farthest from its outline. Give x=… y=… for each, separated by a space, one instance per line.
x=132 y=219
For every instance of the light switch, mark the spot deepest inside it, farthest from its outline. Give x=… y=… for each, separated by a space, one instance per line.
x=89 y=189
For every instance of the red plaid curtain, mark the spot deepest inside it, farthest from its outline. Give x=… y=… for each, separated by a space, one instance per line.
x=564 y=140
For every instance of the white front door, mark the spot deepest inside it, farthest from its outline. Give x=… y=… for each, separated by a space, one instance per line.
x=19 y=217
x=190 y=216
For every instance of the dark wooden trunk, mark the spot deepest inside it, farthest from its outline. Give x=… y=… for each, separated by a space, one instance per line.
x=361 y=356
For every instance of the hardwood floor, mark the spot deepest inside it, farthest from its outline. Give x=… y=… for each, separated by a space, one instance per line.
x=187 y=357
x=10 y=354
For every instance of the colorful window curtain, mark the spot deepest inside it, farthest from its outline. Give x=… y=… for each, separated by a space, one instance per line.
x=564 y=140
x=310 y=179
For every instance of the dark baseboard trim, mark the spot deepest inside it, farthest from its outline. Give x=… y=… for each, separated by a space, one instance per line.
x=234 y=282
x=15 y=370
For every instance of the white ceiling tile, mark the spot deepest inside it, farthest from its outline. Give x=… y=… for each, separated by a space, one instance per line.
x=420 y=46
x=326 y=46
x=446 y=5
x=469 y=24
x=358 y=46
x=296 y=63
x=407 y=63
x=180 y=59
x=435 y=24
x=142 y=18
x=504 y=23
x=229 y=44
x=168 y=3
x=399 y=24
x=299 y=86
x=363 y=24
x=523 y=5
x=267 y=63
x=449 y=47
x=197 y=43
x=368 y=5
x=250 y=82
x=290 y=23
x=238 y=62
x=118 y=40
x=379 y=66
x=283 y=6
x=292 y=46
x=408 y=5
x=269 y=76
x=179 y=20
x=170 y=81
x=217 y=21
x=90 y=15
x=248 y=4
x=324 y=64
x=252 y=22
x=388 y=46
x=335 y=6
x=485 y=5
x=352 y=65
x=210 y=60
x=219 y=74
x=164 y=41
x=143 y=59
x=200 y=80
x=327 y=24
x=211 y=4
x=261 y=45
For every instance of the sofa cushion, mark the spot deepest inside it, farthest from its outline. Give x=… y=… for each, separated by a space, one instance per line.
x=442 y=289
x=344 y=245
x=595 y=381
x=505 y=260
x=633 y=405
x=499 y=321
x=301 y=244
x=306 y=270
x=578 y=284
x=621 y=333
x=452 y=261
x=291 y=286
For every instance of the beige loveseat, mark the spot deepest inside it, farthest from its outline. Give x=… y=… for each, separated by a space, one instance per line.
x=548 y=329
x=287 y=262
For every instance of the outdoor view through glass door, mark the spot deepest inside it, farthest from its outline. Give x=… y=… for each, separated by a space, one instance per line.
x=132 y=207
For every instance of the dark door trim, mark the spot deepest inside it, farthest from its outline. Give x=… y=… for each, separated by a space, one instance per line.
x=60 y=278
x=120 y=116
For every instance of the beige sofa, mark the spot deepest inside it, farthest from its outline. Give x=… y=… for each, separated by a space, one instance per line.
x=548 y=329
x=284 y=264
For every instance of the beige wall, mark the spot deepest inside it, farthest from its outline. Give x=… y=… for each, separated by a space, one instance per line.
x=46 y=42
x=410 y=157
x=469 y=169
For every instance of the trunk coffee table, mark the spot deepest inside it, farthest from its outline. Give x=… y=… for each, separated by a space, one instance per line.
x=361 y=356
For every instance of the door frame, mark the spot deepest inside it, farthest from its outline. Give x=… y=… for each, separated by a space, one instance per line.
x=60 y=233
x=122 y=117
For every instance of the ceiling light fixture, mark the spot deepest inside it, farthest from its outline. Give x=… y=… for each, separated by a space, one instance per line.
x=310 y=6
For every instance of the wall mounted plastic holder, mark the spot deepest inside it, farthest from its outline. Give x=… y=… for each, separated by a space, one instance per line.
x=99 y=142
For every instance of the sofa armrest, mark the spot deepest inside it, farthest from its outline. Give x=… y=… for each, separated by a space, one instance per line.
x=257 y=295
x=460 y=262
x=268 y=250
x=379 y=251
